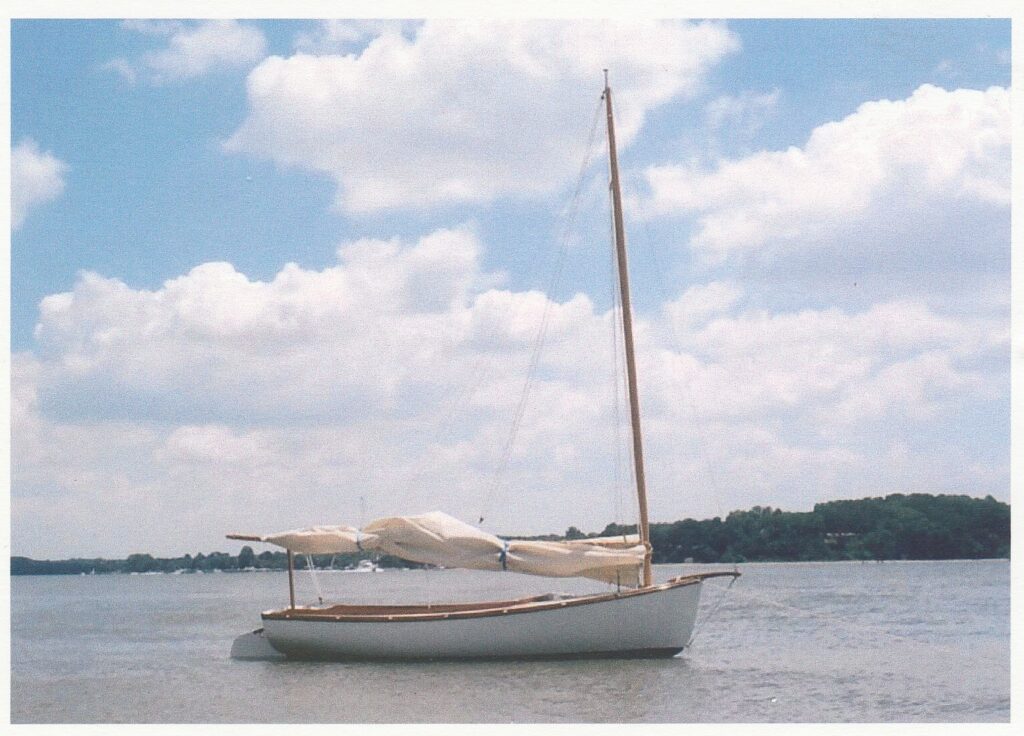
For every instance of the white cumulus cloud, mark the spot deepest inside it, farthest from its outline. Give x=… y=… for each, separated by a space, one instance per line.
x=465 y=111
x=745 y=112
x=346 y=35
x=37 y=177
x=893 y=165
x=191 y=50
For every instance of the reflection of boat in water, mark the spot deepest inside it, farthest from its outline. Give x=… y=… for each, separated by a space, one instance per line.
x=640 y=618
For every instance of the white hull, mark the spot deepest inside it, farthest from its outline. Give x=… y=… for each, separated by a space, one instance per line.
x=655 y=622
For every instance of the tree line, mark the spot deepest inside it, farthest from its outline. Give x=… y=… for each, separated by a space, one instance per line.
x=246 y=559
x=917 y=526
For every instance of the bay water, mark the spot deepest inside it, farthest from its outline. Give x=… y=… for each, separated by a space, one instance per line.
x=788 y=642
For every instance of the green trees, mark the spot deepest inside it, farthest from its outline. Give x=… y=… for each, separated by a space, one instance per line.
x=914 y=527
x=140 y=563
x=918 y=526
x=246 y=558
x=921 y=526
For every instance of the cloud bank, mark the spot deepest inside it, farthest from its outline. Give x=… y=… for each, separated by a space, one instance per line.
x=394 y=374
x=472 y=111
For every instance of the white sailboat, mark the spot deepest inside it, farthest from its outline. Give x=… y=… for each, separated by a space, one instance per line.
x=640 y=618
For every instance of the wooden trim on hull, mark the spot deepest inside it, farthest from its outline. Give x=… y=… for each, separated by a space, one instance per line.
x=455 y=611
x=311 y=654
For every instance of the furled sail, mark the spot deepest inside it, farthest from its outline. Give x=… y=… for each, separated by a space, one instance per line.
x=439 y=539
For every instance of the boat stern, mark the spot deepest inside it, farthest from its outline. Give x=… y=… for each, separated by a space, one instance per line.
x=254 y=645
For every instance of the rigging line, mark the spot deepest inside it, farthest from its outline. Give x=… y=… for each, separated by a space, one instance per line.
x=459 y=394
x=571 y=209
x=620 y=363
x=520 y=409
x=622 y=447
x=617 y=488
x=314 y=578
x=568 y=217
x=711 y=613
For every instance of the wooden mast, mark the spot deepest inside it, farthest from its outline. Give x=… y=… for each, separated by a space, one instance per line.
x=291 y=580
x=627 y=331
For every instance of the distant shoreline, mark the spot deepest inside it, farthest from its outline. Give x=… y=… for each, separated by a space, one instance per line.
x=348 y=571
x=914 y=527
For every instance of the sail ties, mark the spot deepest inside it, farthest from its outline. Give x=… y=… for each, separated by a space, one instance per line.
x=503 y=555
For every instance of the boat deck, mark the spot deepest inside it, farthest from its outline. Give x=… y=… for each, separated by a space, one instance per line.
x=435 y=611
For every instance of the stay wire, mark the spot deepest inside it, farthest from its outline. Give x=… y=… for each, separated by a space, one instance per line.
x=314 y=578
x=460 y=394
x=568 y=217
x=618 y=329
x=621 y=383
x=711 y=614
x=617 y=383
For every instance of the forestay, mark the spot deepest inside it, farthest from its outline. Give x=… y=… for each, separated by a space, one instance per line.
x=439 y=539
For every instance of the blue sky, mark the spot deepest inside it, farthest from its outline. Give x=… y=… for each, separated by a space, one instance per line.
x=819 y=226
x=156 y=147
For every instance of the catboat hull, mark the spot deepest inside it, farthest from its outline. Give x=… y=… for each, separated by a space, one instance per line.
x=651 y=622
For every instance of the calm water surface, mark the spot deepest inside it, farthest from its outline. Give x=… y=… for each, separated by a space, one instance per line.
x=836 y=642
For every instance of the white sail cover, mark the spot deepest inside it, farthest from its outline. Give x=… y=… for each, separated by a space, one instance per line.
x=439 y=539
